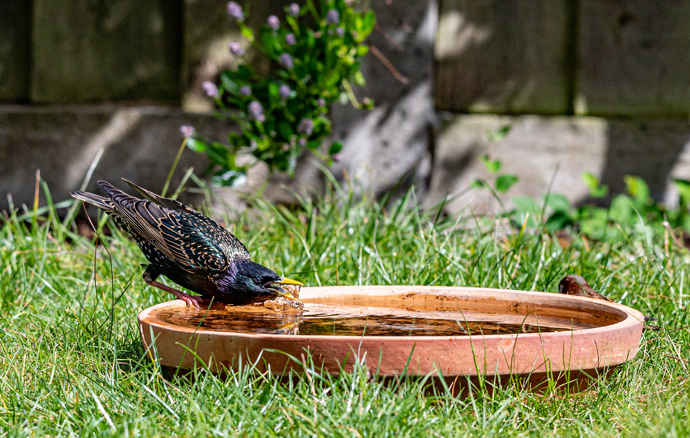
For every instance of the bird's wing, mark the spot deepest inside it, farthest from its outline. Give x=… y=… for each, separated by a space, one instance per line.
x=182 y=234
x=196 y=241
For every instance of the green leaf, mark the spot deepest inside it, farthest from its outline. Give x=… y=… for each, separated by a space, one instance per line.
x=478 y=183
x=493 y=166
x=621 y=210
x=499 y=134
x=559 y=203
x=359 y=78
x=335 y=148
x=596 y=189
x=368 y=22
x=505 y=182
x=232 y=178
x=557 y=221
x=285 y=130
x=638 y=189
x=247 y=33
x=683 y=187
x=362 y=50
x=196 y=145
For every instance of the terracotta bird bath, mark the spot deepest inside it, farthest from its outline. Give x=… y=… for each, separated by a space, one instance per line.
x=394 y=330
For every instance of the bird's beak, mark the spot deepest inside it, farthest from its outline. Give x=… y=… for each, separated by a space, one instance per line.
x=284 y=280
x=282 y=292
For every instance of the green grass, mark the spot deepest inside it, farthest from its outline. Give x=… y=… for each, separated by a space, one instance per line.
x=71 y=362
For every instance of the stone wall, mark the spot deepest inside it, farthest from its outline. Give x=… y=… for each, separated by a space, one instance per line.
x=587 y=85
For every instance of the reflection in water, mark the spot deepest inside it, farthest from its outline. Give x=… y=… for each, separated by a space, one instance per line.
x=254 y=321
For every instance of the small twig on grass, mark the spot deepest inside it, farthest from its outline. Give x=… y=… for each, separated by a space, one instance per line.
x=677 y=358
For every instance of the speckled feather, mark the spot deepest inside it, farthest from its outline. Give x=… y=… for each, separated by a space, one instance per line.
x=172 y=236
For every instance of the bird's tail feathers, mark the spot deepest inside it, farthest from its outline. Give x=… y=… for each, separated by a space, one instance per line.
x=99 y=201
x=118 y=196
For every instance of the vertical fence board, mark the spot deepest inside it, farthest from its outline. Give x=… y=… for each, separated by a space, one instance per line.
x=503 y=56
x=15 y=49
x=89 y=50
x=634 y=58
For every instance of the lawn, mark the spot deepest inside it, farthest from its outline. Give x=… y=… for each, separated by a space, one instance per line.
x=71 y=362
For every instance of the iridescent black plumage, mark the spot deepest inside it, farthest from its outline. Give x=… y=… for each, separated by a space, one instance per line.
x=188 y=248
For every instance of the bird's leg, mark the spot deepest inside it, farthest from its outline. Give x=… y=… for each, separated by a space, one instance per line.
x=150 y=279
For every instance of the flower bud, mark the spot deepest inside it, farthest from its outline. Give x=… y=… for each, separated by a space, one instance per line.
x=333 y=17
x=235 y=48
x=235 y=11
x=187 y=130
x=210 y=89
x=286 y=61
x=257 y=111
x=306 y=126
x=273 y=22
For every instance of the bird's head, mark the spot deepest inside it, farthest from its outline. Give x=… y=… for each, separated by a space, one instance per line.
x=251 y=282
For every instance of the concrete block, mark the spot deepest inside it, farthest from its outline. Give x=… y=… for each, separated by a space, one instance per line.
x=139 y=143
x=88 y=50
x=15 y=50
x=634 y=58
x=503 y=56
x=541 y=149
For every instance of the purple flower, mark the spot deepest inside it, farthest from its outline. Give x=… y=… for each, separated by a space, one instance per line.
x=337 y=157
x=294 y=10
x=286 y=61
x=273 y=22
x=302 y=141
x=333 y=17
x=235 y=11
x=235 y=48
x=187 y=130
x=290 y=39
x=306 y=126
x=340 y=31
x=284 y=91
x=257 y=111
x=210 y=89
x=245 y=90
x=321 y=102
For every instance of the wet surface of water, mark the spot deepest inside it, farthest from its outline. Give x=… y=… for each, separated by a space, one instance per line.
x=319 y=323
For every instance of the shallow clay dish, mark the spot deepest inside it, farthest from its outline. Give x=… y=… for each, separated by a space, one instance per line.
x=598 y=334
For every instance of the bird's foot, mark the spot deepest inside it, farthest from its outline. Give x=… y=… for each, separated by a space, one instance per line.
x=188 y=299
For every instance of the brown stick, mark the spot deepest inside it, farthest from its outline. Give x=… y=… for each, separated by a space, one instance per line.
x=388 y=37
x=396 y=74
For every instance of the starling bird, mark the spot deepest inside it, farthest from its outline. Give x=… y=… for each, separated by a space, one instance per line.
x=578 y=286
x=188 y=248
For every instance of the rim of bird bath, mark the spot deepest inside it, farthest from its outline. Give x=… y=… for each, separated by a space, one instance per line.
x=614 y=340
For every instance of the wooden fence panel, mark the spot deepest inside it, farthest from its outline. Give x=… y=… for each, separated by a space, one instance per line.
x=15 y=49
x=634 y=58
x=503 y=56
x=95 y=50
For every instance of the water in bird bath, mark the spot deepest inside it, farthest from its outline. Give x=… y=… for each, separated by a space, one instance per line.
x=346 y=322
